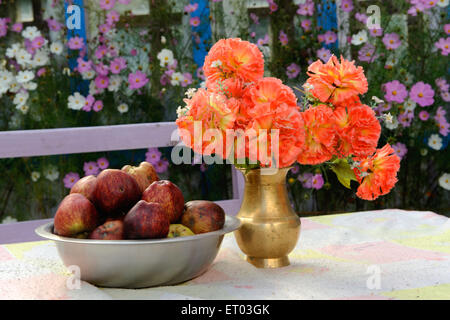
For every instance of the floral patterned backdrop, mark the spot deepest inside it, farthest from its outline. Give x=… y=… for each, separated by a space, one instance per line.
x=136 y=65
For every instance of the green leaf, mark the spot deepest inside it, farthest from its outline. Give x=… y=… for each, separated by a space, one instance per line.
x=343 y=172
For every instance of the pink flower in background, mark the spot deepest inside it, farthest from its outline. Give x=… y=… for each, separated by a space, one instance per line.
x=194 y=21
x=262 y=41
x=321 y=38
x=283 y=38
x=117 y=65
x=91 y=168
x=305 y=179
x=347 y=5
x=153 y=155
x=324 y=54
x=17 y=27
x=4 y=26
x=367 y=53
x=391 y=41
x=444 y=45
x=101 y=82
x=187 y=79
x=272 y=6
x=161 y=166
x=137 y=80
x=447 y=28
x=405 y=119
x=88 y=103
x=75 y=43
x=107 y=4
x=306 y=9
x=361 y=17
x=400 y=149
x=395 y=91
x=98 y=106
x=445 y=95
x=203 y=167
x=442 y=121
x=104 y=28
x=317 y=181
x=101 y=69
x=70 y=179
x=292 y=70
x=330 y=37
x=133 y=52
x=38 y=42
x=422 y=94
x=101 y=51
x=83 y=65
x=442 y=84
x=191 y=7
x=295 y=169
x=306 y=24
x=112 y=16
x=254 y=18
x=376 y=32
x=124 y=1
x=423 y=115
x=54 y=25
x=103 y=163
x=200 y=74
x=41 y=72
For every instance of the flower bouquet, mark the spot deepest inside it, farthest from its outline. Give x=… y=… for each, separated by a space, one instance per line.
x=255 y=123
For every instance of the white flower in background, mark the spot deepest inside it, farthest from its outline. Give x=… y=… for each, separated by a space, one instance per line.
x=444 y=181
x=40 y=58
x=176 y=78
x=14 y=86
x=76 y=101
x=6 y=78
x=388 y=118
x=93 y=89
x=111 y=33
x=122 y=108
x=88 y=75
x=23 y=57
x=359 y=38
x=435 y=142
x=35 y=176
x=51 y=173
x=203 y=84
x=163 y=40
x=165 y=57
x=216 y=64
x=408 y=78
x=114 y=83
x=66 y=71
x=409 y=105
x=31 y=32
x=23 y=108
x=21 y=98
x=391 y=125
x=12 y=51
x=442 y=3
x=56 y=47
x=181 y=111
x=31 y=85
x=391 y=61
x=8 y=219
x=24 y=76
x=190 y=92
x=377 y=100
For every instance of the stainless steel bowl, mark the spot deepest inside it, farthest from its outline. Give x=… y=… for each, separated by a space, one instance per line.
x=140 y=263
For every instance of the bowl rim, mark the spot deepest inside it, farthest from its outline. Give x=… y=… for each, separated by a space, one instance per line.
x=231 y=224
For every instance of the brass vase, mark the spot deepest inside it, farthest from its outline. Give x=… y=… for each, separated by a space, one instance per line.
x=270 y=227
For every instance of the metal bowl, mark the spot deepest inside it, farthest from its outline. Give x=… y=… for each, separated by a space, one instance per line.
x=140 y=263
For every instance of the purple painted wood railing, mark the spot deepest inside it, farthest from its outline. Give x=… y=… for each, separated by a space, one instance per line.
x=29 y=143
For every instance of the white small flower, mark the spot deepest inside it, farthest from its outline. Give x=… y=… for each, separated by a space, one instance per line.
x=203 y=84
x=88 y=75
x=114 y=83
x=359 y=38
x=66 y=71
x=56 y=48
x=163 y=40
x=122 y=108
x=409 y=105
x=391 y=61
x=391 y=125
x=408 y=78
x=176 y=78
x=93 y=89
x=76 y=101
x=444 y=181
x=23 y=108
x=6 y=78
x=190 y=92
x=35 y=176
x=388 y=118
x=435 y=142
x=442 y=3
x=31 y=32
x=216 y=64
x=40 y=58
x=14 y=86
x=8 y=219
x=51 y=173
x=377 y=100
x=165 y=57
x=21 y=98
x=24 y=76
x=12 y=51
x=181 y=111
x=31 y=85
x=23 y=57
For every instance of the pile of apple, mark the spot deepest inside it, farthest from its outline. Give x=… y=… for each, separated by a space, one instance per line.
x=132 y=203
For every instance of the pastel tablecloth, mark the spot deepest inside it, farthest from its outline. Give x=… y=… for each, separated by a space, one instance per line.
x=387 y=254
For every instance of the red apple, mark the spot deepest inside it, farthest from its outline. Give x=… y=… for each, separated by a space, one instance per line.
x=116 y=192
x=110 y=230
x=76 y=217
x=145 y=174
x=85 y=186
x=146 y=220
x=168 y=195
x=203 y=216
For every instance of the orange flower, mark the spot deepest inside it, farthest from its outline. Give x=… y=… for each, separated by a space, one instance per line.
x=377 y=174
x=233 y=58
x=358 y=130
x=320 y=135
x=335 y=82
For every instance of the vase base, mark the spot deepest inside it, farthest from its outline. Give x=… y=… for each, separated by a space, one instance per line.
x=269 y=263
